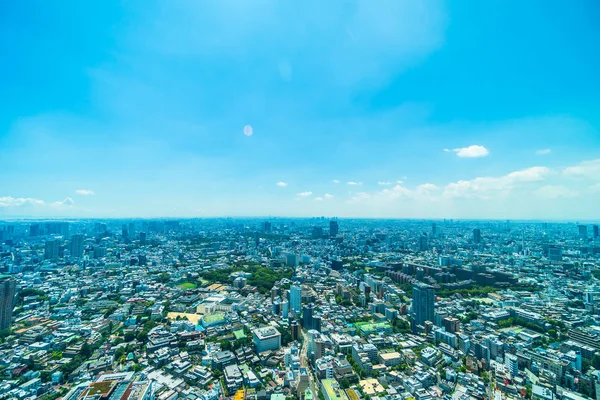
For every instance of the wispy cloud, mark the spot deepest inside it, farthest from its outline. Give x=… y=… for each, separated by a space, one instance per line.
x=85 y=192
x=352 y=183
x=281 y=184
x=384 y=183
x=543 y=152
x=305 y=194
x=335 y=181
x=328 y=196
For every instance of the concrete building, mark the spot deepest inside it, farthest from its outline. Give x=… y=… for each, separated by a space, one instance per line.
x=7 y=295
x=266 y=339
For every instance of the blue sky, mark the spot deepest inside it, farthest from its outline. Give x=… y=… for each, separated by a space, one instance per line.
x=412 y=109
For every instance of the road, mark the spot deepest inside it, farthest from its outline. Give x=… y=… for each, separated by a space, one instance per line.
x=304 y=362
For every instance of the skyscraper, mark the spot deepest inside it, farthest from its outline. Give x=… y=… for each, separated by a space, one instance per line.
x=423 y=243
x=307 y=316
x=583 y=232
x=76 y=246
x=434 y=229
x=51 y=250
x=266 y=226
x=8 y=288
x=596 y=233
x=142 y=238
x=423 y=304
x=317 y=232
x=296 y=299
x=333 y=228
x=476 y=235
x=34 y=230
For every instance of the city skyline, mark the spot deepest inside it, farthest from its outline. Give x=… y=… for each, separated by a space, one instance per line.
x=256 y=109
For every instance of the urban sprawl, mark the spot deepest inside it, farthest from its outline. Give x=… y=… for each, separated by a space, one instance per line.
x=282 y=308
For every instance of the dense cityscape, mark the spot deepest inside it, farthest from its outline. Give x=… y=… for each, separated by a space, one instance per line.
x=280 y=308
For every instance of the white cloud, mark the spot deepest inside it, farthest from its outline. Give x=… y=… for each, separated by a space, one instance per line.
x=318 y=199
x=427 y=187
x=586 y=169
x=305 y=194
x=488 y=187
x=85 y=192
x=594 y=188
x=281 y=184
x=335 y=181
x=352 y=183
x=397 y=192
x=472 y=151
x=542 y=152
x=11 y=202
x=384 y=183
x=360 y=197
x=328 y=196
x=555 y=191
x=68 y=202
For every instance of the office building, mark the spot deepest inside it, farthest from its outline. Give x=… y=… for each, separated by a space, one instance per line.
x=333 y=228
x=51 y=248
x=476 y=235
x=595 y=230
x=317 y=232
x=296 y=299
x=423 y=304
x=8 y=288
x=266 y=227
x=142 y=238
x=34 y=230
x=583 y=232
x=423 y=243
x=76 y=246
x=434 y=230
x=307 y=316
x=266 y=339
x=292 y=260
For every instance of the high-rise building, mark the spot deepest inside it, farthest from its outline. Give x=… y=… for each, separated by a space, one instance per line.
x=266 y=226
x=76 y=246
x=256 y=239
x=8 y=288
x=476 y=235
x=423 y=304
x=317 y=232
x=555 y=253
x=307 y=316
x=583 y=232
x=292 y=259
x=434 y=230
x=285 y=309
x=296 y=299
x=512 y=364
x=34 y=230
x=333 y=228
x=296 y=330
x=51 y=248
x=423 y=243
x=142 y=238
x=595 y=230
